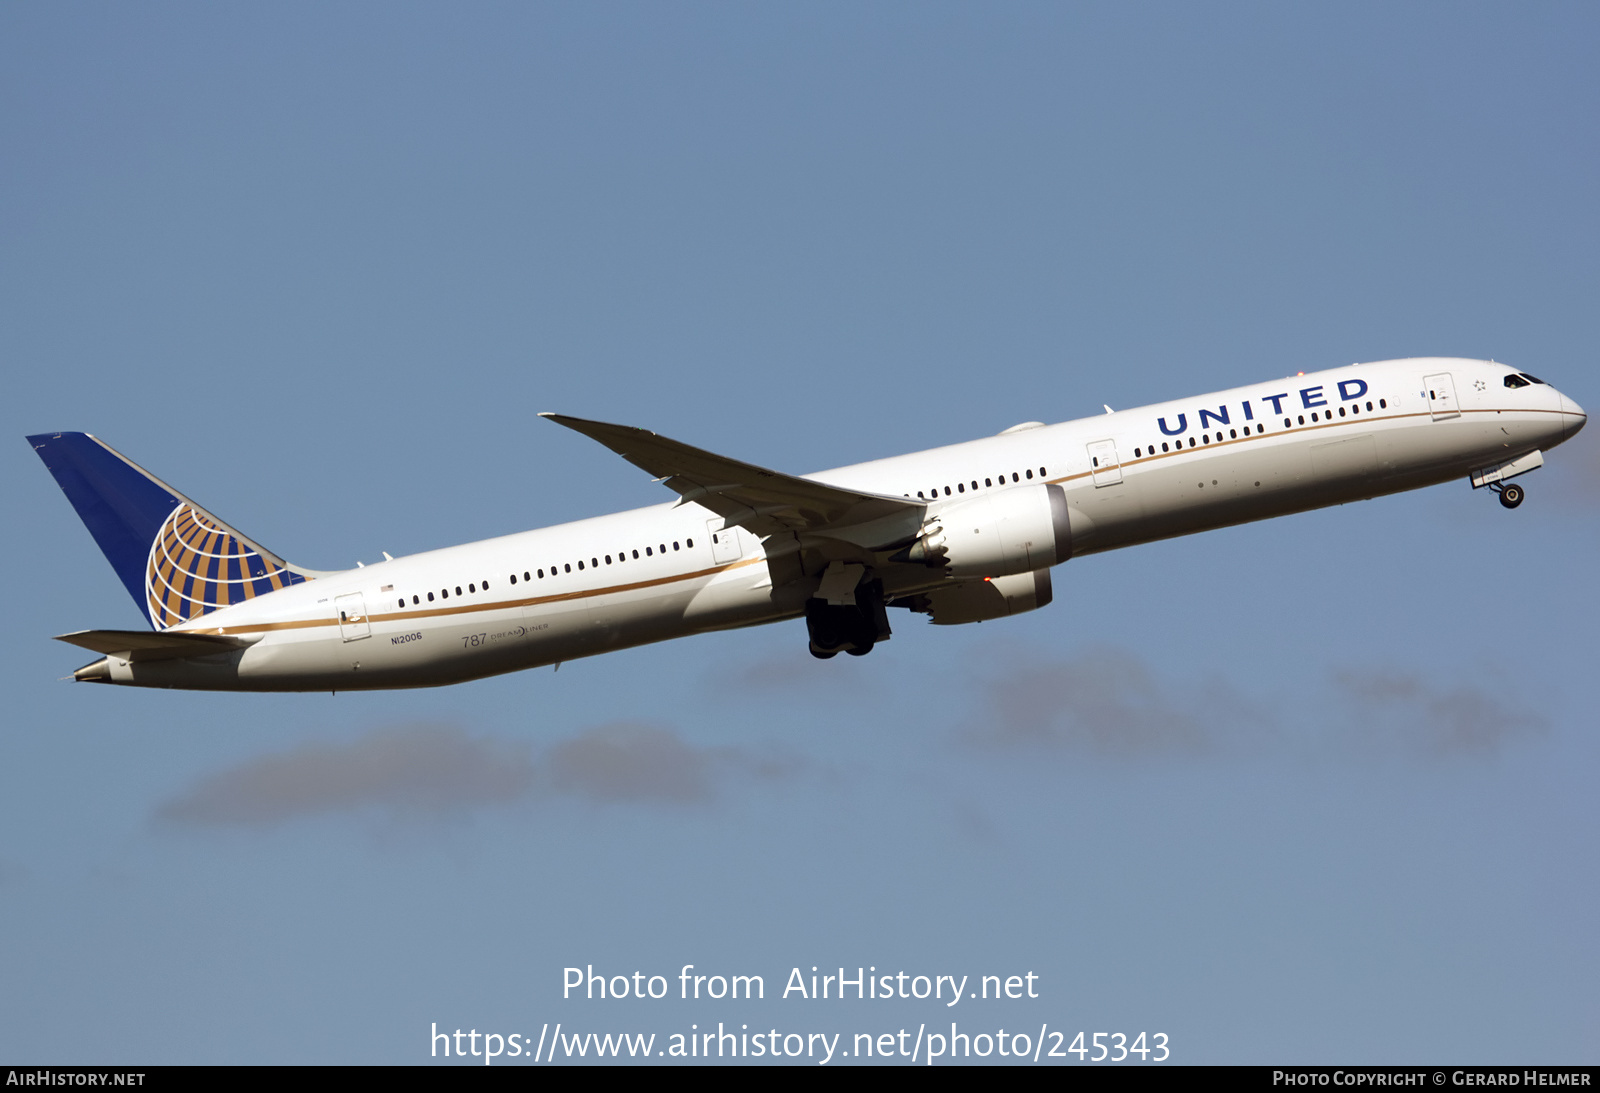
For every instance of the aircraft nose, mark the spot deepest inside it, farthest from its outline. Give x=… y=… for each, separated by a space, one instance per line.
x=1573 y=417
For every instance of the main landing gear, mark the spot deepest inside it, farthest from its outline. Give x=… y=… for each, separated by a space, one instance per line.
x=852 y=628
x=1510 y=493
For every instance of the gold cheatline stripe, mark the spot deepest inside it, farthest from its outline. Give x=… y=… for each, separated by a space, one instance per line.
x=467 y=609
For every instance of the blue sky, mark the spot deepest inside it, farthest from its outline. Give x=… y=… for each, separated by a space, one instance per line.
x=1315 y=790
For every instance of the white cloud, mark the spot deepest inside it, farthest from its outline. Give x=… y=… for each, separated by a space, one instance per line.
x=433 y=770
x=1406 y=712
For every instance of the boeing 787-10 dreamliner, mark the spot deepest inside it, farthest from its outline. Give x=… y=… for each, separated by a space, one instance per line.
x=961 y=534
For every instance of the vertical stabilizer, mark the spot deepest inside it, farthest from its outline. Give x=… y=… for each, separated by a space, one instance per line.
x=177 y=561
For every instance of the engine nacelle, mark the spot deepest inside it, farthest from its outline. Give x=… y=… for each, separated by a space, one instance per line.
x=995 y=598
x=1011 y=531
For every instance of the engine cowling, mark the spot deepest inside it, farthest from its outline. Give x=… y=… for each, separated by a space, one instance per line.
x=991 y=598
x=1011 y=531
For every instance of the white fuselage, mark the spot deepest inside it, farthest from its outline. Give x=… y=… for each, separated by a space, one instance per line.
x=573 y=590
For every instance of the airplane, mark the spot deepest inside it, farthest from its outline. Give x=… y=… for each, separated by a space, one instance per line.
x=962 y=534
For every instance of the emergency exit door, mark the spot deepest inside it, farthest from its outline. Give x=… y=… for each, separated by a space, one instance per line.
x=352 y=609
x=1104 y=465
x=724 y=542
x=1441 y=396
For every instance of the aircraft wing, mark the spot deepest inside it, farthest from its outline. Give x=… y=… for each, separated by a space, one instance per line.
x=763 y=502
x=151 y=644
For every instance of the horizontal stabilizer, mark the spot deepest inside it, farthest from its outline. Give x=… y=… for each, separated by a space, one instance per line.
x=145 y=645
x=762 y=501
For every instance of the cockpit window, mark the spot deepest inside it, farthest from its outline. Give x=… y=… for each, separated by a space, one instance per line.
x=1516 y=381
x=1530 y=379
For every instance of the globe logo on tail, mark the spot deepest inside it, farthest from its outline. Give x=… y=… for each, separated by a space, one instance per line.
x=198 y=565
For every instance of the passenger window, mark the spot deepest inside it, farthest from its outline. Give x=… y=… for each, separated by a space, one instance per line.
x=1369 y=406
x=472 y=588
x=1302 y=419
x=1233 y=434
x=402 y=601
x=919 y=494
x=987 y=482
x=513 y=578
x=580 y=565
x=1014 y=477
x=974 y=486
x=636 y=554
x=674 y=544
x=608 y=559
x=947 y=491
x=430 y=597
x=528 y=578
x=444 y=593
x=458 y=590
x=1205 y=438
x=1191 y=442
x=1163 y=445
x=414 y=600
x=690 y=543
x=594 y=563
x=1029 y=472
x=1341 y=411
x=1041 y=472
x=648 y=553
x=960 y=488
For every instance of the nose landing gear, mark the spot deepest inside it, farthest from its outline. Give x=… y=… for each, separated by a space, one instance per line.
x=1510 y=493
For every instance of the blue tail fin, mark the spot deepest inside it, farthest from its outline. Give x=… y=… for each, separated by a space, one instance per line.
x=177 y=561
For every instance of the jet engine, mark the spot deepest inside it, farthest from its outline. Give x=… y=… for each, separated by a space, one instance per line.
x=1010 y=531
x=980 y=600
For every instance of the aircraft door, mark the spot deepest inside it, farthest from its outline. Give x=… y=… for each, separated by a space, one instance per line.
x=352 y=608
x=1441 y=396
x=1104 y=465
x=724 y=542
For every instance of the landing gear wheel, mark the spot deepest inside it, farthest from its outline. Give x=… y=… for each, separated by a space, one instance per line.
x=853 y=628
x=1511 y=495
